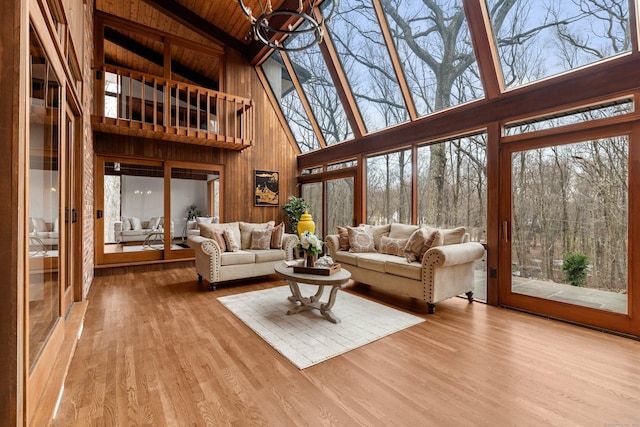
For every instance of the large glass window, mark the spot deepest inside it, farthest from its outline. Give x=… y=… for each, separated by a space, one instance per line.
x=435 y=49
x=569 y=223
x=44 y=200
x=541 y=38
x=452 y=185
x=312 y=194
x=356 y=34
x=321 y=93
x=339 y=204
x=290 y=103
x=389 y=188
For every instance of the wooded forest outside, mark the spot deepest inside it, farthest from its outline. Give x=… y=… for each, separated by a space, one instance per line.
x=570 y=214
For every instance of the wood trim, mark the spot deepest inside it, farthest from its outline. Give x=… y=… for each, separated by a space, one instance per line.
x=494 y=196
x=395 y=59
x=195 y=23
x=40 y=372
x=484 y=47
x=341 y=84
x=623 y=323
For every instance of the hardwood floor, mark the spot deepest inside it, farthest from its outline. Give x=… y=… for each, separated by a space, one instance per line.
x=156 y=350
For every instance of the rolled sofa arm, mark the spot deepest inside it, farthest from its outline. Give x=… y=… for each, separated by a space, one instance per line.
x=205 y=245
x=333 y=243
x=289 y=243
x=460 y=253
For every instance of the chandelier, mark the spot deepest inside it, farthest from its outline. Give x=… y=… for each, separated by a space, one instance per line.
x=270 y=29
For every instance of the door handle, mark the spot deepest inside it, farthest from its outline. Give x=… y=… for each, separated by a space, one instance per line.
x=505 y=231
x=99 y=213
x=74 y=215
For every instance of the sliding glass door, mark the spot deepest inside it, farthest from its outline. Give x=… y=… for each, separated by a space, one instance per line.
x=566 y=227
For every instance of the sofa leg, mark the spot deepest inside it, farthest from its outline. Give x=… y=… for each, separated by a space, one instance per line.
x=199 y=280
x=431 y=308
x=212 y=287
x=470 y=296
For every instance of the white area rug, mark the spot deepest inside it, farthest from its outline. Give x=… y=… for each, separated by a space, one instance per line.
x=308 y=338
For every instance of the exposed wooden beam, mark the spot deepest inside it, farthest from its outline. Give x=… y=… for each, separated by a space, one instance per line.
x=483 y=45
x=157 y=58
x=196 y=23
x=601 y=80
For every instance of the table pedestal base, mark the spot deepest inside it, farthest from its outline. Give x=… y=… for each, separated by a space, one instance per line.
x=313 y=302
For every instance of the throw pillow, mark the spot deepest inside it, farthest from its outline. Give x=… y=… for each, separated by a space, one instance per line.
x=360 y=240
x=218 y=236
x=428 y=242
x=245 y=229
x=203 y=220
x=453 y=235
x=377 y=231
x=229 y=238
x=135 y=223
x=154 y=222
x=261 y=238
x=414 y=245
x=343 y=239
x=392 y=246
x=277 y=234
x=40 y=225
x=126 y=223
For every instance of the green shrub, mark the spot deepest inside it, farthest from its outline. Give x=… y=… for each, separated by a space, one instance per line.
x=575 y=265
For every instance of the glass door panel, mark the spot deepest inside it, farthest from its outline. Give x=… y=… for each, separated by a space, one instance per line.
x=569 y=223
x=133 y=223
x=195 y=198
x=339 y=203
x=43 y=281
x=312 y=194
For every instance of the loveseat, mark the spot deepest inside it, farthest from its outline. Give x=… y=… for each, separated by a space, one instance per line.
x=43 y=235
x=239 y=250
x=132 y=229
x=423 y=263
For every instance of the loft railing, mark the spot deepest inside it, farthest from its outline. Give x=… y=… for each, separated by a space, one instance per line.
x=171 y=110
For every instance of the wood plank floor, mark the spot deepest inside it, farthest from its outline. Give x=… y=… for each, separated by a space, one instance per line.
x=158 y=351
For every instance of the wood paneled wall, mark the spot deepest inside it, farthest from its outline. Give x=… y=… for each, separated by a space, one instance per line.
x=271 y=151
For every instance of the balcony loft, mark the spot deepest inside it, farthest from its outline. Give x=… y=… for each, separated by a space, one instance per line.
x=138 y=104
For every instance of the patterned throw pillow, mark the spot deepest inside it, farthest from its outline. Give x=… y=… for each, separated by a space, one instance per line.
x=276 y=236
x=343 y=239
x=261 y=238
x=232 y=244
x=419 y=243
x=360 y=241
x=428 y=242
x=414 y=245
x=392 y=246
x=218 y=236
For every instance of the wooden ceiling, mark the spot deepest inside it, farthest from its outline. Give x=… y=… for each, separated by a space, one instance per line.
x=216 y=24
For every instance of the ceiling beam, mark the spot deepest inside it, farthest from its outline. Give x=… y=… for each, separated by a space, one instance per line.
x=157 y=58
x=196 y=23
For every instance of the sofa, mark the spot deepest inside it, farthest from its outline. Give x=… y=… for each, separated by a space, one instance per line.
x=132 y=229
x=424 y=263
x=240 y=250
x=42 y=235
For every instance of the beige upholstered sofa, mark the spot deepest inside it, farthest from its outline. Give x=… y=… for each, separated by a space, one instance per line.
x=132 y=229
x=446 y=269
x=216 y=263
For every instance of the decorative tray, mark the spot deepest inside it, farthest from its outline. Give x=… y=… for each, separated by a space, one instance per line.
x=321 y=271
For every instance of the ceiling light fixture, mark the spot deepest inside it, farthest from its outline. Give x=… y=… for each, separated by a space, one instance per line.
x=271 y=27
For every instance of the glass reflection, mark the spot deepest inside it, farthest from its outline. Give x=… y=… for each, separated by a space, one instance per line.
x=44 y=205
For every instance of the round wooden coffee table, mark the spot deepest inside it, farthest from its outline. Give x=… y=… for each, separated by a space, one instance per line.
x=336 y=281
